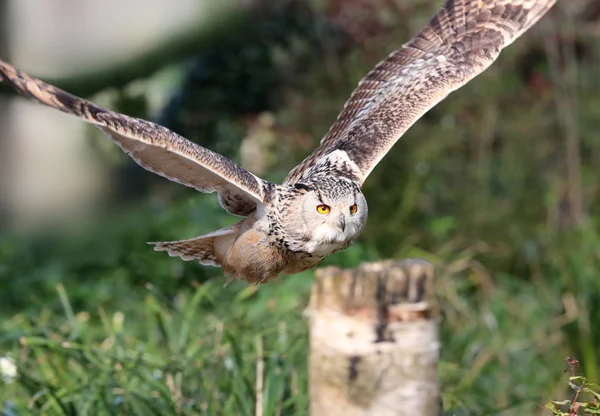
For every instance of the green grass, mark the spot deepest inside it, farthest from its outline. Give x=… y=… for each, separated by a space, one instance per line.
x=196 y=353
x=194 y=350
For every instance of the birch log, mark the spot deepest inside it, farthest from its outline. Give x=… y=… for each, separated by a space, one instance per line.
x=374 y=341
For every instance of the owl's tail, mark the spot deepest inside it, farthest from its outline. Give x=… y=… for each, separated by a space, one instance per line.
x=204 y=248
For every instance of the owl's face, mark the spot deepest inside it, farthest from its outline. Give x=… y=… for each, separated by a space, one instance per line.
x=332 y=214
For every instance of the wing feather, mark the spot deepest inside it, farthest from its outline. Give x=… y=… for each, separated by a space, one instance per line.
x=153 y=147
x=461 y=40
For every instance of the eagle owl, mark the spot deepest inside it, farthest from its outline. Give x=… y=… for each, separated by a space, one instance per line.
x=319 y=208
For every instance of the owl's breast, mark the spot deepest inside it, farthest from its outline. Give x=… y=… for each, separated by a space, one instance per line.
x=252 y=257
x=324 y=248
x=326 y=240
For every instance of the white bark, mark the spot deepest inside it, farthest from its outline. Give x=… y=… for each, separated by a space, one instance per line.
x=374 y=341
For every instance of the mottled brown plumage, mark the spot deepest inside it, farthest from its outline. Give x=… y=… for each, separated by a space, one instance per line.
x=286 y=229
x=460 y=41
x=152 y=146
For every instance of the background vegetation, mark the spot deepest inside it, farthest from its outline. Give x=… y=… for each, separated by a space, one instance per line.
x=498 y=186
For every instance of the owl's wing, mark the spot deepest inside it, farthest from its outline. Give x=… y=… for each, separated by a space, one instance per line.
x=153 y=147
x=460 y=41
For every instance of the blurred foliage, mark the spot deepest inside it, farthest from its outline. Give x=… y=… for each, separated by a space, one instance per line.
x=237 y=77
x=483 y=186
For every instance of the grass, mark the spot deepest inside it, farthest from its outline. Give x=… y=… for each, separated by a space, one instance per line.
x=209 y=349
x=191 y=355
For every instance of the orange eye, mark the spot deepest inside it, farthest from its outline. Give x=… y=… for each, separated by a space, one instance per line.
x=353 y=209
x=323 y=209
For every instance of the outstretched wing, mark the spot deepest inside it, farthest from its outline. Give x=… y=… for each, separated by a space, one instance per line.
x=460 y=41
x=153 y=147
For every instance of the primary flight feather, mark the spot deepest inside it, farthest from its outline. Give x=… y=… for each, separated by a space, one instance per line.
x=319 y=209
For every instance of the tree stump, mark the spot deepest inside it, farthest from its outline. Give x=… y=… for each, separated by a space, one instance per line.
x=374 y=340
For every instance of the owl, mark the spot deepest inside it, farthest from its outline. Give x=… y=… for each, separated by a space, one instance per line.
x=319 y=208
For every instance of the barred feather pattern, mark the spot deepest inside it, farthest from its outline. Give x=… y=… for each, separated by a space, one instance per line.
x=460 y=41
x=152 y=146
x=283 y=230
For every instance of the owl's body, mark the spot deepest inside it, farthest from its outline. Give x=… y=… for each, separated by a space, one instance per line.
x=319 y=208
x=281 y=235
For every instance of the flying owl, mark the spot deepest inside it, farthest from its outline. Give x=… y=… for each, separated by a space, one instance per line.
x=319 y=208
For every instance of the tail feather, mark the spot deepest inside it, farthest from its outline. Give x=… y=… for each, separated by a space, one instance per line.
x=199 y=248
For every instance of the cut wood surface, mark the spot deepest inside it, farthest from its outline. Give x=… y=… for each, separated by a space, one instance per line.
x=374 y=340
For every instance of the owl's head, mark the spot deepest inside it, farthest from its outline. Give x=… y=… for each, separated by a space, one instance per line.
x=332 y=213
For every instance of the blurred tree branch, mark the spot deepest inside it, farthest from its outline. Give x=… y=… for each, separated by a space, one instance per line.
x=172 y=50
x=4 y=158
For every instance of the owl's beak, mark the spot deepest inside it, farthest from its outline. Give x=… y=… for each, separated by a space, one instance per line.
x=342 y=222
